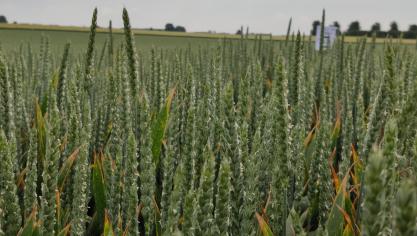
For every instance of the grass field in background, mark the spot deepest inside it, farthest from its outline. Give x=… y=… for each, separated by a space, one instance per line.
x=13 y=35
x=11 y=39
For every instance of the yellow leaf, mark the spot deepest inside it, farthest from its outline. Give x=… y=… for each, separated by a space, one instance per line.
x=265 y=229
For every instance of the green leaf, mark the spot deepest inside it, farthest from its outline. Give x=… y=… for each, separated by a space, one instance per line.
x=159 y=127
x=41 y=132
x=66 y=169
x=44 y=104
x=335 y=221
x=31 y=227
x=158 y=229
x=348 y=231
x=290 y=228
x=108 y=229
x=64 y=231
x=293 y=224
x=99 y=190
x=337 y=126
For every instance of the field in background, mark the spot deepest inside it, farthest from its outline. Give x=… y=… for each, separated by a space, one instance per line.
x=10 y=39
x=12 y=35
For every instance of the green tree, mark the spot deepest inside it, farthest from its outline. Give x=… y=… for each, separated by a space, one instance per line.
x=314 y=29
x=179 y=28
x=411 y=33
x=337 y=25
x=394 y=31
x=412 y=28
x=354 y=28
x=376 y=27
x=169 y=27
x=3 y=19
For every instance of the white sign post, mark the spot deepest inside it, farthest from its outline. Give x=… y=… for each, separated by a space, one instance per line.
x=330 y=33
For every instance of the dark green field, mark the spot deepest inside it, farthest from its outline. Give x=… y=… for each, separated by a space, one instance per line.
x=11 y=39
x=13 y=36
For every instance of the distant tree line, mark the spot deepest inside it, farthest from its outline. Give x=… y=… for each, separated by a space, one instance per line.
x=3 y=19
x=171 y=27
x=354 y=29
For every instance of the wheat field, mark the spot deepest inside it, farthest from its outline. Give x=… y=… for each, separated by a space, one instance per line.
x=238 y=136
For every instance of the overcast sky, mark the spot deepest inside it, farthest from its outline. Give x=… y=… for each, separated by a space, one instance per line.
x=262 y=16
